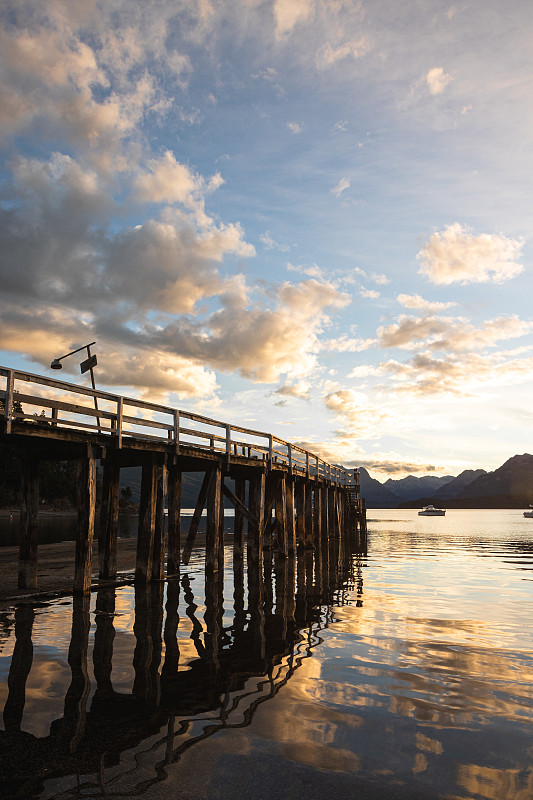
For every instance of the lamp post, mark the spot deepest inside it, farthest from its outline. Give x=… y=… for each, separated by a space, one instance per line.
x=87 y=365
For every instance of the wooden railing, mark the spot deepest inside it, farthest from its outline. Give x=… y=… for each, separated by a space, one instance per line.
x=46 y=401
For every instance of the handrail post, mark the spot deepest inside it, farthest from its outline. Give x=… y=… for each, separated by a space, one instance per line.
x=228 y=443
x=307 y=464
x=176 y=427
x=289 y=448
x=120 y=409
x=8 y=404
x=270 y=447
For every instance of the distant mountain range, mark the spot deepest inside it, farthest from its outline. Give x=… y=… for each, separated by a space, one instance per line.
x=509 y=486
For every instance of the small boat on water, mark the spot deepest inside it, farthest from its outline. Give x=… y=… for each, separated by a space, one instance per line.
x=528 y=512
x=431 y=511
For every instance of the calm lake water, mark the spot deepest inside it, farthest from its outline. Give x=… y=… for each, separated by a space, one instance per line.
x=403 y=671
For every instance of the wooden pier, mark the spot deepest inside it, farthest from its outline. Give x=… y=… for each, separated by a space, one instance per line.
x=289 y=498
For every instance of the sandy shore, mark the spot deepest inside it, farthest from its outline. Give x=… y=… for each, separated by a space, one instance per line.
x=55 y=570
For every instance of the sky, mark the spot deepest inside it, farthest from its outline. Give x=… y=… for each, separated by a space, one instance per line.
x=307 y=217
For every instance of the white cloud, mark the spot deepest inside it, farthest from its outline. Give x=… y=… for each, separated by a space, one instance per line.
x=328 y=55
x=357 y=415
x=314 y=271
x=295 y=127
x=450 y=334
x=369 y=294
x=271 y=244
x=289 y=13
x=437 y=80
x=168 y=181
x=379 y=278
x=300 y=390
x=416 y=302
x=457 y=256
x=343 y=344
x=342 y=185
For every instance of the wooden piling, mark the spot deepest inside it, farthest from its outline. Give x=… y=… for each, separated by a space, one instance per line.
x=308 y=514
x=108 y=533
x=238 y=521
x=281 y=516
x=257 y=507
x=214 y=532
x=291 y=529
x=158 y=559
x=146 y=529
x=174 y=518
x=85 y=530
x=27 y=576
x=300 y=489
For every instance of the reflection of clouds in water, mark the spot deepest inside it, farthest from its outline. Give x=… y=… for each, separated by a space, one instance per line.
x=46 y=687
x=496 y=784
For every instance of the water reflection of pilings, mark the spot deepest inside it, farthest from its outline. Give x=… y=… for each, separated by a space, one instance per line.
x=280 y=605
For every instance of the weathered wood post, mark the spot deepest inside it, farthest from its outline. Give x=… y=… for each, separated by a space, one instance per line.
x=281 y=515
x=325 y=511
x=174 y=518
x=324 y=556
x=214 y=531
x=317 y=515
x=308 y=514
x=238 y=522
x=291 y=530
x=29 y=532
x=255 y=532
x=331 y=511
x=300 y=490
x=146 y=529
x=108 y=533
x=158 y=561
x=86 y=512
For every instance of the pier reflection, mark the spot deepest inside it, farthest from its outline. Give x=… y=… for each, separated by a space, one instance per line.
x=243 y=656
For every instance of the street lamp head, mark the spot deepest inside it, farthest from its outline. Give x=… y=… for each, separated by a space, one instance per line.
x=56 y=364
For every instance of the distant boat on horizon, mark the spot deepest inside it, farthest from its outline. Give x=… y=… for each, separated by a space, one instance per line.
x=528 y=512
x=431 y=511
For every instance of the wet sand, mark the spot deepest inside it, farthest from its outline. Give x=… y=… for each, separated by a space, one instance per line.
x=55 y=568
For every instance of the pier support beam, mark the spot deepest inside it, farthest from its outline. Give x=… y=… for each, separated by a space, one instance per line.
x=158 y=560
x=238 y=524
x=300 y=489
x=257 y=507
x=281 y=515
x=214 y=531
x=174 y=519
x=291 y=530
x=146 y=530
x=308 y=514
x=107 y=538
x=86 y=512
x=27 y=577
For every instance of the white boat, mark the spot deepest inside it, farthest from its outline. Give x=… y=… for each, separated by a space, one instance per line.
x=528 y=512
x=431 y=511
